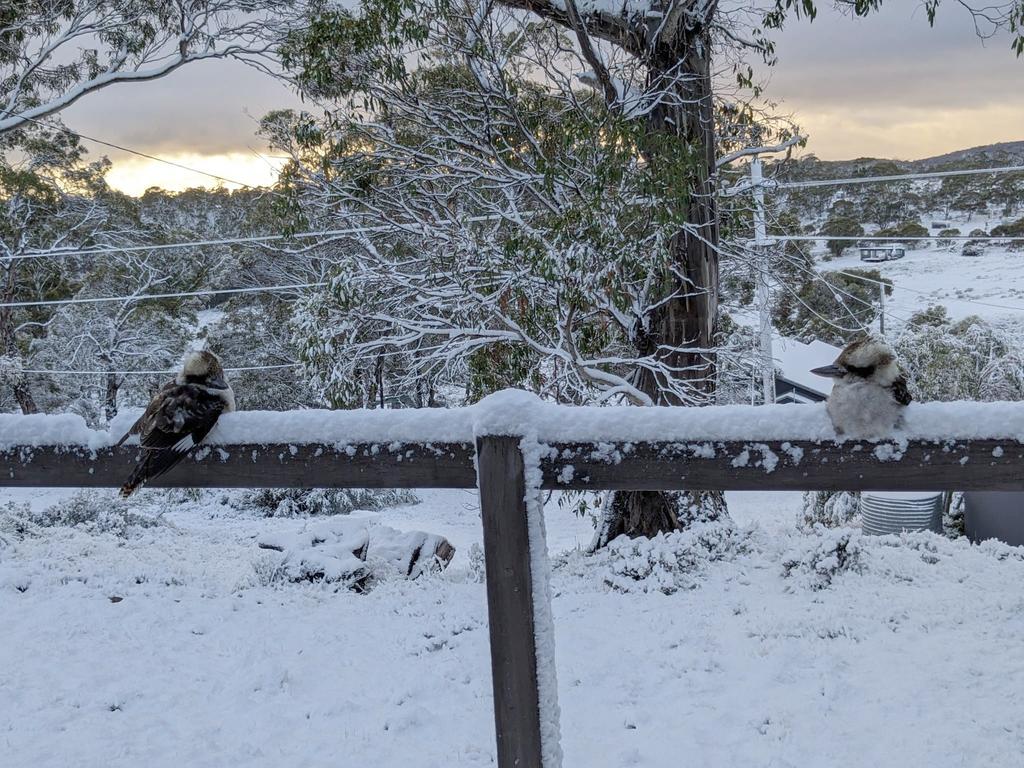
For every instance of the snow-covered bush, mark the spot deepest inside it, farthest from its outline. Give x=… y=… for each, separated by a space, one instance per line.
x=944 y=237
x=14 y=522
x=953 y=517
x=1003 y=377
x=832 y=509
x=351 y=554
x=669 y=561
x=822 y=556
x=963 y=360
x=326 y=552
x=93 y=511
x=306 y=502
x=477 y=565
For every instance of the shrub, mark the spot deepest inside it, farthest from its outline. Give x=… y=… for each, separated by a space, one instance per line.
x=92 y=511
x=973 y=248
x=943 y=240
x=908 y=229
x=306 y=502
x=833 y=306
x=822 y=556
x=669 y=561
x=963 y=360
x=841 y=226
x=832 y=509
x=1011 y=229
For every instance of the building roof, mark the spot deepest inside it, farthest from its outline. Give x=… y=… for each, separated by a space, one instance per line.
x=794 y=361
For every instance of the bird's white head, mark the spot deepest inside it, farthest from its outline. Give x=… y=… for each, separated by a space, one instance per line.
x=203 y=368
x=867 y=358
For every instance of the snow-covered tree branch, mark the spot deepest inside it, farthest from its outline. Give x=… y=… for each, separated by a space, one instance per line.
x=53 y=54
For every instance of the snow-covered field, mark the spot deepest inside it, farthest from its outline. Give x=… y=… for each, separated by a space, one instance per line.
x=908 y=657
x=990 y=286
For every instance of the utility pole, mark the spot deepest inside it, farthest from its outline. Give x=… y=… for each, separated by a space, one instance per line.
x=762 y=295
x=881 y=309
x=762 y=244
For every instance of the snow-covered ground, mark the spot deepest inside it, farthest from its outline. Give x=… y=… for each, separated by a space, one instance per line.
x=909 y=659
x=965 y=285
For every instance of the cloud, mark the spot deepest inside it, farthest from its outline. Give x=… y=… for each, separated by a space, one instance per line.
x=891 y=86
x=209 y=107
x=888 y=85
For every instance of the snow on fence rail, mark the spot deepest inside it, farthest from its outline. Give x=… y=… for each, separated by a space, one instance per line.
x=512 y=445
x=962 y=446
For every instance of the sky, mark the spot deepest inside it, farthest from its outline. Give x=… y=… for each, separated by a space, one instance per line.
x=885 y=86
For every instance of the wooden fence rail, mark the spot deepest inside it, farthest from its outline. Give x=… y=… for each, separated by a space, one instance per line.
x=496 y=466
x=767 y=465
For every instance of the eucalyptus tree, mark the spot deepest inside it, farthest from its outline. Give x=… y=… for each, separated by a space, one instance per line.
x=533 y=181
x=54 y=53
x=49 y=201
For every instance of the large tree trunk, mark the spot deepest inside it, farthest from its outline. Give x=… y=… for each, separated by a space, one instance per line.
x=681 y=331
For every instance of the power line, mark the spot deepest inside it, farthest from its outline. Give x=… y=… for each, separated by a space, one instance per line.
x=131 y=151
x=69 y=372
x=928 y=293
x=158 y=296
x=897 y=177
x=102 y=250
x=896 y=239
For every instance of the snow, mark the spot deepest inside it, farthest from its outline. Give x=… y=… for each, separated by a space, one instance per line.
x=513 y=412
x=794 y=360
x=543 y=620
x=906 y=660
x=928 y=276
x=40 y=429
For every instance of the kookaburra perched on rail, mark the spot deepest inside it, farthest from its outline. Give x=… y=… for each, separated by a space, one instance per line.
x=870 y=391
x=179 y=417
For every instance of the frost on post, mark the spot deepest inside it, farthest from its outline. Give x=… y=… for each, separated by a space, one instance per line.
x=543 y=619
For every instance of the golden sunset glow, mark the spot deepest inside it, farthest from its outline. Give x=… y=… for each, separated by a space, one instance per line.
x=134 y=175
x=902 y=133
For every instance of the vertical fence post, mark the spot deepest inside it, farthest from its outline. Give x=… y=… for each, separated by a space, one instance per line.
x=501 y=478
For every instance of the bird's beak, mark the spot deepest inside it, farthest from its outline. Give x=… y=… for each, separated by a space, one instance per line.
x=830 y=371
x=217 y=383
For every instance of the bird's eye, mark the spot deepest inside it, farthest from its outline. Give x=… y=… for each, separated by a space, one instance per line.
x=865 y=370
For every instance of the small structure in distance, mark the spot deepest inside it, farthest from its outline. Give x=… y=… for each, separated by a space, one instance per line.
x=882 y=252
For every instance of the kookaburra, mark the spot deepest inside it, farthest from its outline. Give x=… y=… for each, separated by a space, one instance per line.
x=869 y=392
x=179 y=417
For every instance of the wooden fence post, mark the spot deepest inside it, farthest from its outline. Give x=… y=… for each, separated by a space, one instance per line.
x=502 y=486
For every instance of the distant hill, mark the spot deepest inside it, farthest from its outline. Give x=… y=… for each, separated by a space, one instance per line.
x=1004 y=153
x=811 y=167
x=969 y=201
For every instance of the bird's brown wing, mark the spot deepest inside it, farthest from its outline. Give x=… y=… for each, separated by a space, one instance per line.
x=900 y=391
x=149 y=414
x=184 y=415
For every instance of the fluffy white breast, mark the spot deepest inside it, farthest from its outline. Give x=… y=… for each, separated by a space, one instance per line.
x=862 y=409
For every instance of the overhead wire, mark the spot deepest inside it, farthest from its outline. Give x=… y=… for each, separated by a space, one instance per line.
x=773 y=185
x=160 y=296
x=139 y=153
x=70 y=372
x=102 y=250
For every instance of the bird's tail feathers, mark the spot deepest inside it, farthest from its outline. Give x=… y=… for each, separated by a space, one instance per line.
x=136 y=480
